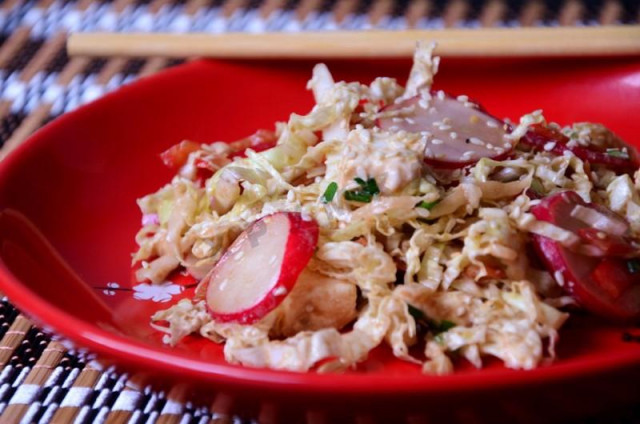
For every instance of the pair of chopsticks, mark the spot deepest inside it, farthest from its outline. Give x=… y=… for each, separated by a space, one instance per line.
x=536 y=41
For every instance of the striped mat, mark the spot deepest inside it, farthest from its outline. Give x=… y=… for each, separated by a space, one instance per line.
x=44 y=380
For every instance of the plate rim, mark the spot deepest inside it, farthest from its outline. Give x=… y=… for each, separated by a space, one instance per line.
x=142 y=356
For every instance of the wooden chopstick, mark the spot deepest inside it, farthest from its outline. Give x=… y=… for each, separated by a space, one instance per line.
x=539 y=41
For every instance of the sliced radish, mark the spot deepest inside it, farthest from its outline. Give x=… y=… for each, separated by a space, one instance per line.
x=613 y=276
x=542 y=137
x=605 y=244
x=602 y=285
x=260 y=267
x=461 y=132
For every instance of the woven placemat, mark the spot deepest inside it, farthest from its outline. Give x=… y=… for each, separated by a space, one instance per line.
x=44 y=380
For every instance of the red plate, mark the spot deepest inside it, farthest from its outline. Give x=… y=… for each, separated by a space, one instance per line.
x=68 y=217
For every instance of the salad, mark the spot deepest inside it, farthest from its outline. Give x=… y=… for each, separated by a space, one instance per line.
x=395 y=216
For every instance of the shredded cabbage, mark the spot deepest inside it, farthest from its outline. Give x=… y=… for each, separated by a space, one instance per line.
x=432 y=247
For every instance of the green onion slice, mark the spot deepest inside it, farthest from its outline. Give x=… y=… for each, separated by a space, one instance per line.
x=368 y=189
x=618 y=153
x=427 y=205
x=330 y=192
x=357 y=196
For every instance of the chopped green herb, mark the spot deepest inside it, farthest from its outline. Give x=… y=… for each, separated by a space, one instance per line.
x=618 y=153
x=368 y=189
x=427 y=205
x=357 y=196
x=330 y=192
x=416 y=313
x=633 y=265
x=370 y=186
x=442 y=326
x=434 y=326
x=537 y=187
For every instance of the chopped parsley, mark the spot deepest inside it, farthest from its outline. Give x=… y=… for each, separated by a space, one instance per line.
x=416 y=313
x=537 y=187
x=434 y=326
x=330 y=192
x=357 y=196
x=367 y=190
x=633 y=265
x=370 y=186
x=427 y=205
x=442 y=326
x=618 y=153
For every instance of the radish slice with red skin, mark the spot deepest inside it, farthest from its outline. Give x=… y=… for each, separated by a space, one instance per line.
x=541 y=137
x=260 y=268
x=461 y=132
x=577 y=273
x=617 y=297
x=613 y=276
x=607 y=244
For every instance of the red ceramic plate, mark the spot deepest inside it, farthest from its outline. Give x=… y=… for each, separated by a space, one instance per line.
x=68 y=217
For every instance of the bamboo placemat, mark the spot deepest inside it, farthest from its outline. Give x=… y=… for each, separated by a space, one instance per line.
x=45 y=380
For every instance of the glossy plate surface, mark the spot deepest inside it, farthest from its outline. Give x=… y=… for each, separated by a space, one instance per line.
x=68 y=215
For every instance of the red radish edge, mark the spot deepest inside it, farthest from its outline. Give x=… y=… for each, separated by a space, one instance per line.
x=577 y=270
x=587 y=293
x=539 y=135
x=298 y=249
